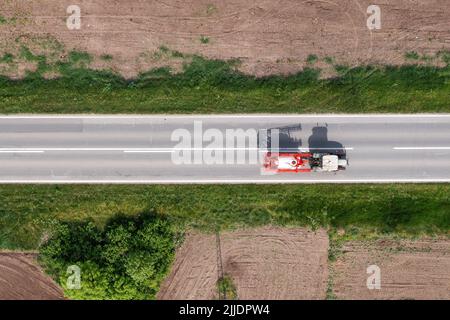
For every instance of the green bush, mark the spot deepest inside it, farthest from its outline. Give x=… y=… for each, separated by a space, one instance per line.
x=177 y=54
x=127 y=259
x=445 y=56
x=81 y=57
x=412 y=55
x=226 y=288
x=7 y=58
x=204 y=40
x=106 y=57
x=312 y=58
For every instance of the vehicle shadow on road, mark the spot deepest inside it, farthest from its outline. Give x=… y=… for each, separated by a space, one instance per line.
x=318 y=142
x=289 y=139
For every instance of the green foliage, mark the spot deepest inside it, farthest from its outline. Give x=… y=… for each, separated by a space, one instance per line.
x=146 y=79
x=445 y=56
x=330 y=295
x=216 y=86
x=427 y=58
x=164 y=49
x=177 y=54
x=329 y=60
x=412 y=55
x=80 y=78
x=79 y=57
x=41 y=60
x=413 y=209
x=204 y=39
x=311 y=59
x=226 y=288
x=7 y=58
x=106 y=57
x=26 y=54
x=11 y=21
x=127 y=259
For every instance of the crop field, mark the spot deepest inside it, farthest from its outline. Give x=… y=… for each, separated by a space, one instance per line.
x=21 y=278
x=297 y=268
x=411 y=269
x=208 y=57
x=269 y=37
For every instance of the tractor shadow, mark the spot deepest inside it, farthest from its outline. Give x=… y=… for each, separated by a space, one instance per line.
x=289 y=138
x=318 y=143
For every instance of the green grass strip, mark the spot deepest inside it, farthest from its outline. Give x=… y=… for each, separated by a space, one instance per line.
x=27 y=210
x=213 y=86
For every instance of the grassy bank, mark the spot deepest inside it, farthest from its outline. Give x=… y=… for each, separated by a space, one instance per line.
x=211 y=86
x=27 y=210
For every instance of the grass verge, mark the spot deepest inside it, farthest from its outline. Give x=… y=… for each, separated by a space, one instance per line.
x=213 y=86
x=27 y=211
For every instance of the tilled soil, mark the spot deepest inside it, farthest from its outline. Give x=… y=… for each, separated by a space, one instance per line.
x=22 y=279
x=409 y=269
x=263 y=263
x=268 y=36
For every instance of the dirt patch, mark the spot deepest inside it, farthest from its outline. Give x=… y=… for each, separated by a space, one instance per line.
x=268 y=36
x=22 y=279
x=263 y=263
x=409 y=269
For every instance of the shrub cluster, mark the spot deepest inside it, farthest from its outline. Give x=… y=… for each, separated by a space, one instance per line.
x=127 y=259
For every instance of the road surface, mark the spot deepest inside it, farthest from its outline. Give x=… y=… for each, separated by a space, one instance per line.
x=144 y=149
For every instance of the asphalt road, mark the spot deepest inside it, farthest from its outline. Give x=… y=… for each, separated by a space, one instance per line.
x=146 y=149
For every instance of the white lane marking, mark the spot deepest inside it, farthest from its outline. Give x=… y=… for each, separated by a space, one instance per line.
x=149 y=150
x=171 y=150
x=21 y=151
x=222 y=181
x=57 y=149
x=215 y=116
x=421 y=148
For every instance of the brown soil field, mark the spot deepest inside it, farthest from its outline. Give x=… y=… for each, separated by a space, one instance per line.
x=409 y=269
x=22 y=279
x=268 y=36
x=263 y=263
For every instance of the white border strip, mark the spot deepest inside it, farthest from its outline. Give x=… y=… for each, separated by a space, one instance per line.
x=223 y=181
x=21 y=151
x=215 y=116
x=154 y=150
x=421 y=148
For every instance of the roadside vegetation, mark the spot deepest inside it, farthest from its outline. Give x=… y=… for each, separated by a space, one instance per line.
x=126 y=259
x=213 y=86
x=10 y=21
x=226 y=289
x=28 y=211
x=123 y=237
